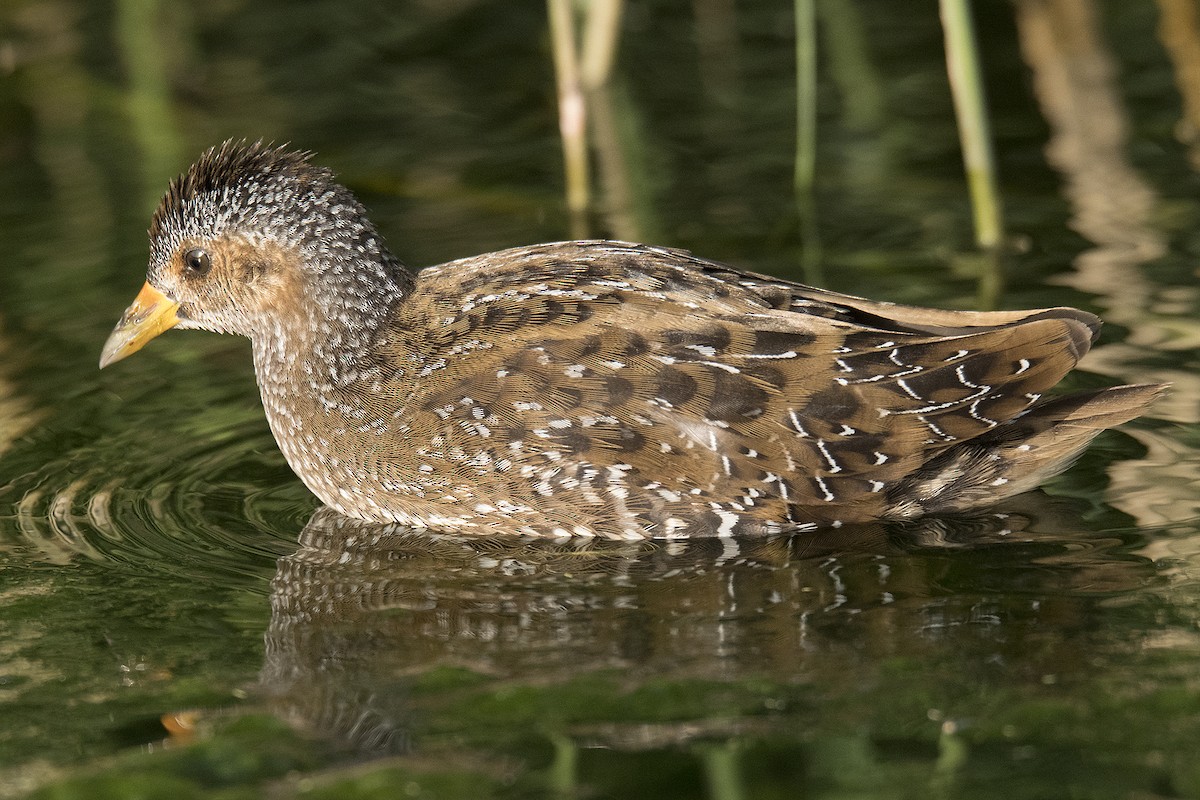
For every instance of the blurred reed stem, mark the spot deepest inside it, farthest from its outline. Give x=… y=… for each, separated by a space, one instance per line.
x=723 y=771
x=572 y=114
x=140 y=39
x=806 y=138
x=564 y=771
x=601 y=32
x=966 y=85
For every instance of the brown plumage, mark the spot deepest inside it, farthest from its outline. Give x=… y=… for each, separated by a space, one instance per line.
x=601 y=388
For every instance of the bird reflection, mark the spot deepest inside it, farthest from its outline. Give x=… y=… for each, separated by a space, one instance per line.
x=361 y=612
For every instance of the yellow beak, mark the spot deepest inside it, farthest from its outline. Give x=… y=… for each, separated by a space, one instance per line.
x=152 y=313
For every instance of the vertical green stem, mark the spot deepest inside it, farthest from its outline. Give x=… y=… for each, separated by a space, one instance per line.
x=962 y=65
x=564 y=780
x=600 y=36
x=139 y=36
x=572 y=113
x=722 y=772
x=806 y=136
x=806 y=95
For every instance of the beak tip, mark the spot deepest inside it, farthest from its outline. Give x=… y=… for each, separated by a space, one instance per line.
x=151 y=314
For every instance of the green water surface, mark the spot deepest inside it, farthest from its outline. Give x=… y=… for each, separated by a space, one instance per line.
x=178 y=619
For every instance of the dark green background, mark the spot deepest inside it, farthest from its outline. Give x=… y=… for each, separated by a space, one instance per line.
x=143 y=509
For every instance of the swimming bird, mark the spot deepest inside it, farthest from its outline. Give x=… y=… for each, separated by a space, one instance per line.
x=600 y=388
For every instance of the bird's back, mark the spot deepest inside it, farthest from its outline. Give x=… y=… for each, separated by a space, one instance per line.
x=604 y=387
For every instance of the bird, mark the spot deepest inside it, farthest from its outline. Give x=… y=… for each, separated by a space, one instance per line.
x=600 y=388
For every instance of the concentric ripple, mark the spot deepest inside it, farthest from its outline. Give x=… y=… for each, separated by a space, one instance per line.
x=200 y=505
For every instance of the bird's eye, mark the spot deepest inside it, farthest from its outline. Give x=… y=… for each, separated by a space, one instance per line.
x=197 y=261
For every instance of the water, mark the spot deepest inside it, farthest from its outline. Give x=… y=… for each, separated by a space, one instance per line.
x=178 y=618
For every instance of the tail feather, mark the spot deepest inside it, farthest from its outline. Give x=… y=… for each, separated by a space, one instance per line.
x=1021 y=454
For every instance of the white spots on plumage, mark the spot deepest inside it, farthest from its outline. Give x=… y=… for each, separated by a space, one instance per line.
x=673 y=526
x=432 y=367
x=933 y=426
x=880 y=458
x=796 y=425
x=876 y=486
x=560 y=424
x=526 y=405
x=785 y=489
x=841 y=362
x=847 y=430
x=998 y=482
x=903 y=384
x=614 y=365
x=973 y=410
x=545 y=291
x=965 y=381
x=834 y=466
x=826 y=495
x=1022 y=365
x=784 y=355
x=469 y=345
x=956 y=356
x=426 y=468
x=1033 y=397
x=730 y=368
x=575 y=371
x=705 y=350
x=729 y=521
x=502 y=373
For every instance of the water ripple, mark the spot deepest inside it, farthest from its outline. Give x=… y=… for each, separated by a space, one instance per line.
x=198 y=506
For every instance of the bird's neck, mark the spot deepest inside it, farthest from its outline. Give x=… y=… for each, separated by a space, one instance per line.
x=318 y=372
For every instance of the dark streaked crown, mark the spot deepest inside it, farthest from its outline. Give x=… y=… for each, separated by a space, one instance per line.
x=229 y=165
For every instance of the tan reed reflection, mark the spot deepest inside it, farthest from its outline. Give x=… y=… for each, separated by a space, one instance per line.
x=1113 y=206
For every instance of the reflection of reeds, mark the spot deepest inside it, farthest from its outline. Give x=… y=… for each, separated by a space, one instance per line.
x=16 y=416
x=1112 y=204
x=1179 y=29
